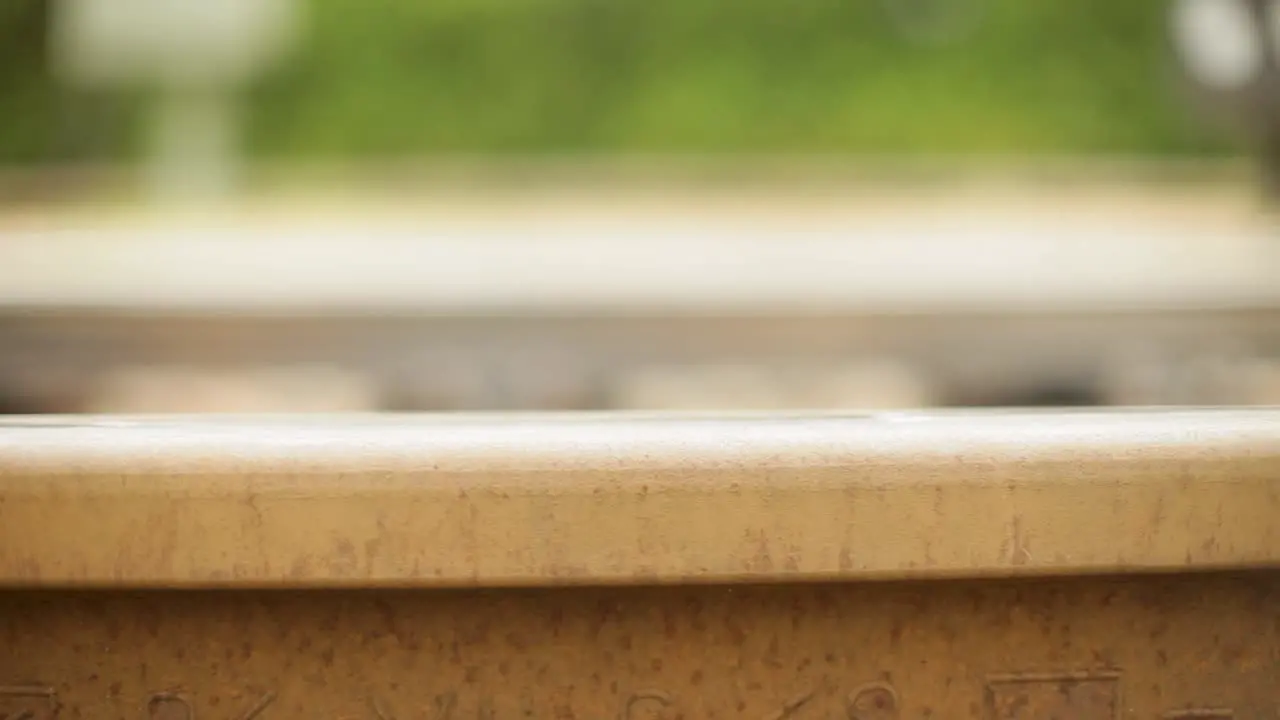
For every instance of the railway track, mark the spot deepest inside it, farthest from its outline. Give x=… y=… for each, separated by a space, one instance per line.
x=585 y=300
x=1007 y=565
x=96 y=361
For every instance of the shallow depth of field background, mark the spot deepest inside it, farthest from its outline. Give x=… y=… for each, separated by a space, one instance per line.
x=632 y=204
x=401 y=77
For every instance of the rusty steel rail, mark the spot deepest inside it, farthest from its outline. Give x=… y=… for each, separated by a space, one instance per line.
x=1002 y=566
x=581 y=499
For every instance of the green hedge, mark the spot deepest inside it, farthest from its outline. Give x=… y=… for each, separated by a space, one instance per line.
x=386 y=77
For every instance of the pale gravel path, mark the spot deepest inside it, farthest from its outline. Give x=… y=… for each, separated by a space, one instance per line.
x=949 y=247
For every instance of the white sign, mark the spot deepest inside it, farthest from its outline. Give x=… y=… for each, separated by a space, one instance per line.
x=170 y=42
x=1219 y=42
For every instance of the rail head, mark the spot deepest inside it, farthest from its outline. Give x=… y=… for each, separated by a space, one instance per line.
x=449 y=501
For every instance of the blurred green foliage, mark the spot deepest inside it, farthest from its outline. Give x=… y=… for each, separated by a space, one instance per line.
x=710 y=76
x=26 y=93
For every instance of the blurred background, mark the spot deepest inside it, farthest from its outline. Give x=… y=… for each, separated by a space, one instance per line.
x=319 y=205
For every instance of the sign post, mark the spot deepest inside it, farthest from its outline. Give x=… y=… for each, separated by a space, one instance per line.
x=195 y=56
x=1228 y=52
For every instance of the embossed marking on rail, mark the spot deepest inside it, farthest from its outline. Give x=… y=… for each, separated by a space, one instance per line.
x=28 y=702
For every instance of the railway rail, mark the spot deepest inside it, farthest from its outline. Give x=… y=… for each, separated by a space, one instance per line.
x=1081 y=565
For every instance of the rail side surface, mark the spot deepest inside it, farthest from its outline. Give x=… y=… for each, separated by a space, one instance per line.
x=1012 y=566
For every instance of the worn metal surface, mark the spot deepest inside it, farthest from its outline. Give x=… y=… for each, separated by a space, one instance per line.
x=369 y=502
x=589 y=499
x=1194 y=646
